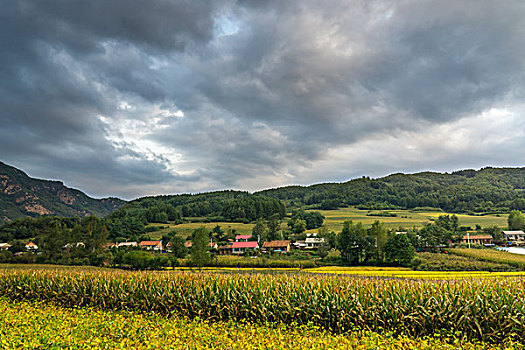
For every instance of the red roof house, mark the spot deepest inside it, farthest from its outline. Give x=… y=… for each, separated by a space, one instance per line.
x=242 y=238
x=242 y=247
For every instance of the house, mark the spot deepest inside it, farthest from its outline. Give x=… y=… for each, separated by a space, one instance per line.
x=74 y=245
x=477 y=239
x=127 y=244
x=213 y=245
x=31 y=247
x=109 y=246
x=242 y=238
x=152 y=245
x=5 y=246
x=188 y=244
x=314 y=242
x=517 y=237
x=225 y=250
x=276 y=246
x=299 y=245
x=243 y=247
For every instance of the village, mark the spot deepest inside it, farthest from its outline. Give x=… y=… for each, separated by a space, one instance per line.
x=244 y=244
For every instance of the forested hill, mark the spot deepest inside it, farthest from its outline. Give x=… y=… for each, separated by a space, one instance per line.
x=219 y=206
x=21 y=196
x=485 y=190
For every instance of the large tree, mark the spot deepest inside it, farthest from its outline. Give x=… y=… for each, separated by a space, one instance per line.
x=516 y=220
x=178 y=249
x=200 y=256
x=432 y=236
x=378 y=232
x=399 y=250
x=351 y=242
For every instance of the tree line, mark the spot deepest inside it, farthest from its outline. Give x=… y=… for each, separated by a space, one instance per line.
x=486 y=190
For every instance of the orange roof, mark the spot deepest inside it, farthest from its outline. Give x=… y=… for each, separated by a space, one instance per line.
x=478 y=237
x=276 y=244
x=149 y=243
x=31 y=244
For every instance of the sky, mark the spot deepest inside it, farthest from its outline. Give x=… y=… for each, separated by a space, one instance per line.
x=130 y=98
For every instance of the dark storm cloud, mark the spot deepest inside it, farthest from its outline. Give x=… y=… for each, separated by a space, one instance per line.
x=134 y=97
x=330 y=74
x=64 y=63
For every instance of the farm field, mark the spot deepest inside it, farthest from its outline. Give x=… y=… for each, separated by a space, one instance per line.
x=474 y=308
x=405 y=218
x=334 y=221
x=43 y=325
x=399 y=272
x=186 y=229
x=492 y=255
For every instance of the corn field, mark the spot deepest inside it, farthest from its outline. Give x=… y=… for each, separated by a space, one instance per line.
x=36 y=325
x=484 y=309
x=494 y=256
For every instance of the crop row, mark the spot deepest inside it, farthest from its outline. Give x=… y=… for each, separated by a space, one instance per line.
x=492 y=255
x=486 y=309
x=34 y=325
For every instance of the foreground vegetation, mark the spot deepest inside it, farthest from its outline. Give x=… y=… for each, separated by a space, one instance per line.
x=453 y=262
x=41 y=325
x=483 y=309
x=493 y=256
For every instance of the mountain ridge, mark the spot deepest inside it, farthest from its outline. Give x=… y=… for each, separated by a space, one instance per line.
x=21 y=196
x=489 y=189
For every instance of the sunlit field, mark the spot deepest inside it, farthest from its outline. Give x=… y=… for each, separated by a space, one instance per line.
x=324 y=308
x=38 y=325
x=407 y=219
x=334 y=221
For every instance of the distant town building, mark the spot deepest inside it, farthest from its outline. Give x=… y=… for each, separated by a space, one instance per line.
x=477 y=239
x=225 y=249
x=127 y=244
x=242 y=238
x=314 y=242
x=74 y=245
x=243 y=247
x=30 y=246
x=299 y=245
x=151 y=245
x=5 y=246
x=517 y=237
x=109 y=246
x=276 y=246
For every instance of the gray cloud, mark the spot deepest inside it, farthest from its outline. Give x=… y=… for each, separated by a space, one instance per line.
x=134 y=98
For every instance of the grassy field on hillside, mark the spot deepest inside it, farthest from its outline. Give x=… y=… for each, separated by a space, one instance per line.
x=492 y=255
x=404 y=218
x=334 y=221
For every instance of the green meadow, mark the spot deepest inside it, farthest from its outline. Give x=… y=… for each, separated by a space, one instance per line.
x=404 y=218
x=334 y=221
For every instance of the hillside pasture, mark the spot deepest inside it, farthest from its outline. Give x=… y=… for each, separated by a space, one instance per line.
x=404 y=218
x=187 y=228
